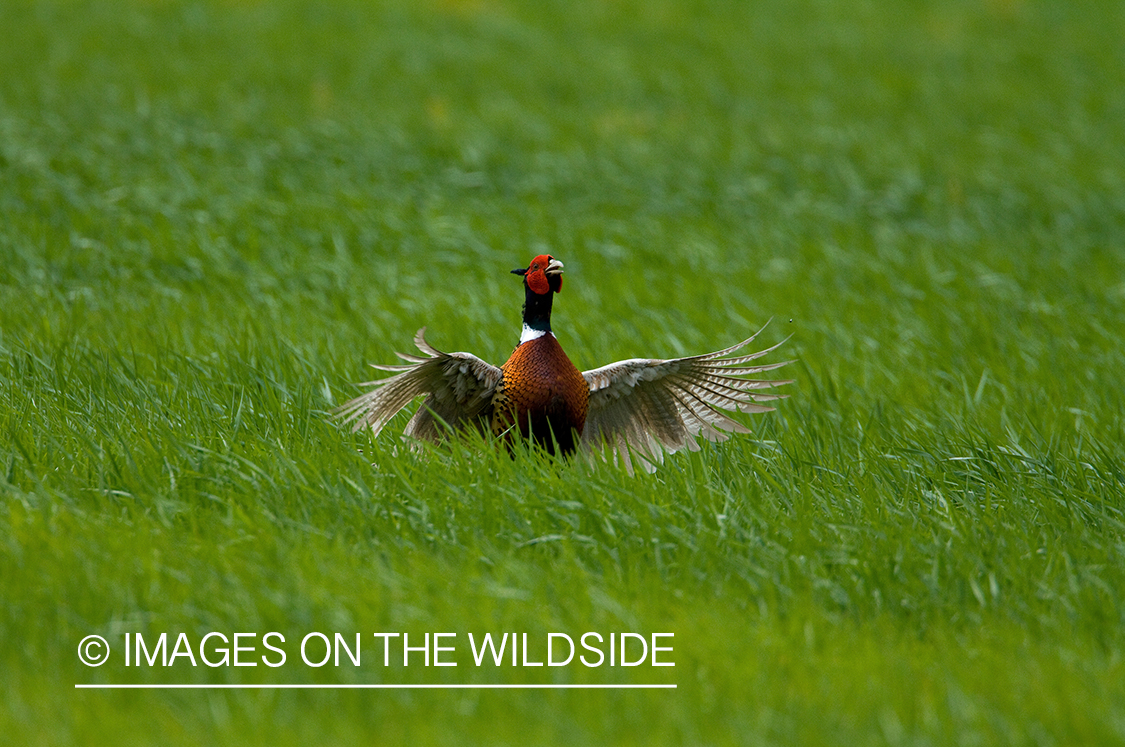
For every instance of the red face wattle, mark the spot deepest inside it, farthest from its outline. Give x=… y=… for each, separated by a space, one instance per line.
x=537 y=276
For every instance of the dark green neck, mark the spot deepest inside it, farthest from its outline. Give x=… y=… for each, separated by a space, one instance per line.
x=537 y=310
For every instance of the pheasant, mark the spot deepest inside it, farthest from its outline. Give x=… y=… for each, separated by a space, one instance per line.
x=646 y=406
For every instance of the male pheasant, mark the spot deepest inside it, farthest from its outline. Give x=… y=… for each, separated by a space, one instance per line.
x=648 y=406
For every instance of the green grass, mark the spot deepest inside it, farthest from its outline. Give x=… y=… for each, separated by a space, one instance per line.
x=213 y=215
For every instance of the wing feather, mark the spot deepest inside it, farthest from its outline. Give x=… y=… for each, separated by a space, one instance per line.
x=650 y=406
x=458 y=388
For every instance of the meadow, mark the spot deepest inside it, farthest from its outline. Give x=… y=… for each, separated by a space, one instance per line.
x=214 y=215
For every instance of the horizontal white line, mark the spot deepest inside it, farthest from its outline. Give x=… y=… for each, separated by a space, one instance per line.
x=402 y=686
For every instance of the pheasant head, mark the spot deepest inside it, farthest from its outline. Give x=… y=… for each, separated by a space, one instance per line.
x=543 y=276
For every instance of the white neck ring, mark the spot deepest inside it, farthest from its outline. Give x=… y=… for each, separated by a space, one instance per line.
x=529 y=334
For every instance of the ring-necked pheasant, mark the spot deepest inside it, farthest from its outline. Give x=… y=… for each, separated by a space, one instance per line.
x=647 y=405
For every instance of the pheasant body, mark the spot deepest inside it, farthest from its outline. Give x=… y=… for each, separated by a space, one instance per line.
x=543 y=394
x=641 y=406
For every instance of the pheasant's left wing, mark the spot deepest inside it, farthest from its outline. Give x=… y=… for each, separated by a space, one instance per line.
x=458 y=388
x=652 y=406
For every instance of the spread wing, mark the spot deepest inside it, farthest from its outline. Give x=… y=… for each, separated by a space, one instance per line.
x=458 y=389
x=652 y=406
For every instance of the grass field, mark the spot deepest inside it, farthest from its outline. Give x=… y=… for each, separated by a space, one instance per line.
x=214 y=215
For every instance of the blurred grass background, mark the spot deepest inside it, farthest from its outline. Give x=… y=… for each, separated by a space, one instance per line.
x=215 y=214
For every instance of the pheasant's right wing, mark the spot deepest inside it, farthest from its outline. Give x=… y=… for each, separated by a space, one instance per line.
x=458 y=388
